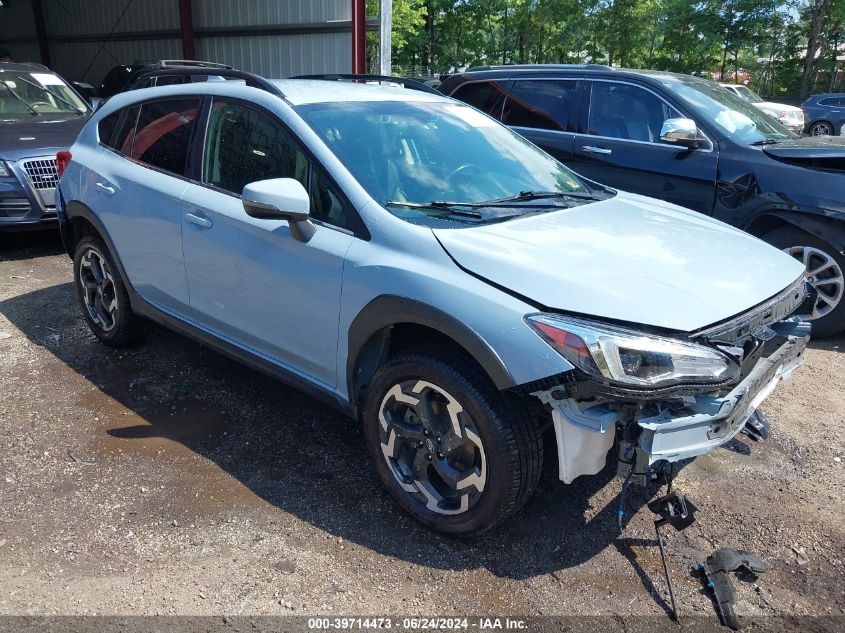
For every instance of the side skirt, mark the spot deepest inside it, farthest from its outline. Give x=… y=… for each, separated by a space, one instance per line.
x=239 y=354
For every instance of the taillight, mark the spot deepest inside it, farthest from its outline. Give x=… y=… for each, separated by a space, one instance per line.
x=62 y=161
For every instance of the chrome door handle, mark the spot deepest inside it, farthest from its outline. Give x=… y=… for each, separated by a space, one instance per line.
x=591 y=149
x=199 y=220
x=107 y=189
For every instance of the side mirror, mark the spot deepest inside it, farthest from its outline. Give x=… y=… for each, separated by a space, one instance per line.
x=681 y=132
x=280 y=199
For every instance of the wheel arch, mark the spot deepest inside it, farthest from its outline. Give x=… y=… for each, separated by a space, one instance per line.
x=392 y=323
x=80 y=221
x=815 y=224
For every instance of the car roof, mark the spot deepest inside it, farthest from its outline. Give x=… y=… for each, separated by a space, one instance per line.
x=552 y=70
x=25 y=67
x=306 y=91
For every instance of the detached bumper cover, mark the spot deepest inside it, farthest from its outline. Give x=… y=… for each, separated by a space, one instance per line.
x=711 y=421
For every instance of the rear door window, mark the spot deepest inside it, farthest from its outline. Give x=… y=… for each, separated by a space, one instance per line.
x=163 y=134
x=487 y=96
x=543 y=105
x=627 y=112
x=121 y=136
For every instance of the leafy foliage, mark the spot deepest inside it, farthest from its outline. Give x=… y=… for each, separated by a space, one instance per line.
x=782 y=47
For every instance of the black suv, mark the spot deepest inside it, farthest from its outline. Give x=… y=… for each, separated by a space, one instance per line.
x=130 y=76
x=687 y=141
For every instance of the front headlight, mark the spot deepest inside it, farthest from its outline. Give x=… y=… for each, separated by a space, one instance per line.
x=630 y=358
x=4 y=170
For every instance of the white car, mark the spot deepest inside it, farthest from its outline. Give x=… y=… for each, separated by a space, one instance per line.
x=791 y=116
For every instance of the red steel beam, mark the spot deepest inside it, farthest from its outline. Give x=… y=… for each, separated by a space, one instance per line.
x=359 y=36
x=186 y=24
x=41 y=31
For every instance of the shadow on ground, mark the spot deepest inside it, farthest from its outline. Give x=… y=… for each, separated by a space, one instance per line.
x=298 y=454
x=28 y=244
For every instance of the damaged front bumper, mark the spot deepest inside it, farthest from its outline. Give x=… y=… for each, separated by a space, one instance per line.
x=669 y=429
x=710 y=421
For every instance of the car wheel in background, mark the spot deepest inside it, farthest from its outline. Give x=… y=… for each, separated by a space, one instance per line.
x=456 y=453
x=824 y=270
x=821 y=128
x=102 y=295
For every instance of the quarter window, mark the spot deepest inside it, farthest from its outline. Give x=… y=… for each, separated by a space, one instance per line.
x=627 y=112
x=120 y=139
x=486 y=96
x=163 y=134
x=244 y=145
x=106 y=127
x=543 y=105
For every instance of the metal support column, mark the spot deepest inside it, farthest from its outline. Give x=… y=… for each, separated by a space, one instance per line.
x=386 y=36
x=186 y=25
x=359 y=37
x=41 y=31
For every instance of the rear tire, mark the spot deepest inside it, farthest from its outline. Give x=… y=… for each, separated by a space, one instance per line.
x=102 y=295
x=457 y=454
x=824 y=270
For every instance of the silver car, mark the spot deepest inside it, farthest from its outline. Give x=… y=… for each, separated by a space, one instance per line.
x=433 y=275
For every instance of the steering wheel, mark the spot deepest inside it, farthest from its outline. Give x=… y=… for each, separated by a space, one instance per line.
x=464 y=170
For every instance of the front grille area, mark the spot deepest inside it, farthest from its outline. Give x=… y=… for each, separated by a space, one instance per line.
x=42 y=173
x=775 y=309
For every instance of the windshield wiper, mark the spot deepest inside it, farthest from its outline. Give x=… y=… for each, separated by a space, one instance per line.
x=52 y=94
x=767 y=141
x=20 y=98
x=525 y=196
x=437 y=204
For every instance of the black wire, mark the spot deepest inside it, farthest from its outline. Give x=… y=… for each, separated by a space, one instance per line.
x=103 y=45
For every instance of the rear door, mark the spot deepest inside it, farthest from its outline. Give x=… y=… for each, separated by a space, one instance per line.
x=542 y=111
x=618 y=144
x=138 y=191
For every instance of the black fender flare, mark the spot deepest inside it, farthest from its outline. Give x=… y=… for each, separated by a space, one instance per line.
x=388 y=310
x=817 y=223
x=76 y=209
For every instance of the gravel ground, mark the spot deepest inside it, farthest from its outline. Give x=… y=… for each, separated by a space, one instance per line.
x=167 y=479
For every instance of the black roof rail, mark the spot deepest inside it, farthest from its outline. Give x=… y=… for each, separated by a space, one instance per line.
x=256 y=81
x=410 y=84
x=541 y=67
x=190 y=63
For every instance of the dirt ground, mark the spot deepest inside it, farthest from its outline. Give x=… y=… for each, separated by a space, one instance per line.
x=167 y=479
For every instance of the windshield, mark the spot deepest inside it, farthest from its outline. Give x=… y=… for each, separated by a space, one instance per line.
x=748 y=94
x=441 y=152
x=24 y=95
x=734 y=116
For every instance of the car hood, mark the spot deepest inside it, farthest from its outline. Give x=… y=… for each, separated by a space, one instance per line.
x=780 y=107
x=21 y=139
x=808 y=147
x=628 y=258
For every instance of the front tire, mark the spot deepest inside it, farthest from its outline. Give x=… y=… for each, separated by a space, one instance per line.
x=455 y=453
x=821 y=128
x=824 y=267
x=102 y=295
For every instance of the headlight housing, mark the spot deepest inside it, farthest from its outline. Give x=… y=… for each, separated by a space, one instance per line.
x=4 y=170
x=630 y=358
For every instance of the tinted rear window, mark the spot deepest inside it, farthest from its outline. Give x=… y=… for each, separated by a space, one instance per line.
x=107 y=126
x=487 y=96
x=163 y=134
x=543 y=104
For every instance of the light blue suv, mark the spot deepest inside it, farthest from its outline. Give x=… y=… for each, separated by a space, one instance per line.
x=432 y=274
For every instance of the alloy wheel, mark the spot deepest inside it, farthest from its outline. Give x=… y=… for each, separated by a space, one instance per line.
x=824 y=274
x=432 y=447
x=821 y=129
x=98 y=291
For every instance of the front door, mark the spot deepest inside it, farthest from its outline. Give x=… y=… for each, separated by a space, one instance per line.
x=621 y=148
x=250 y=280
